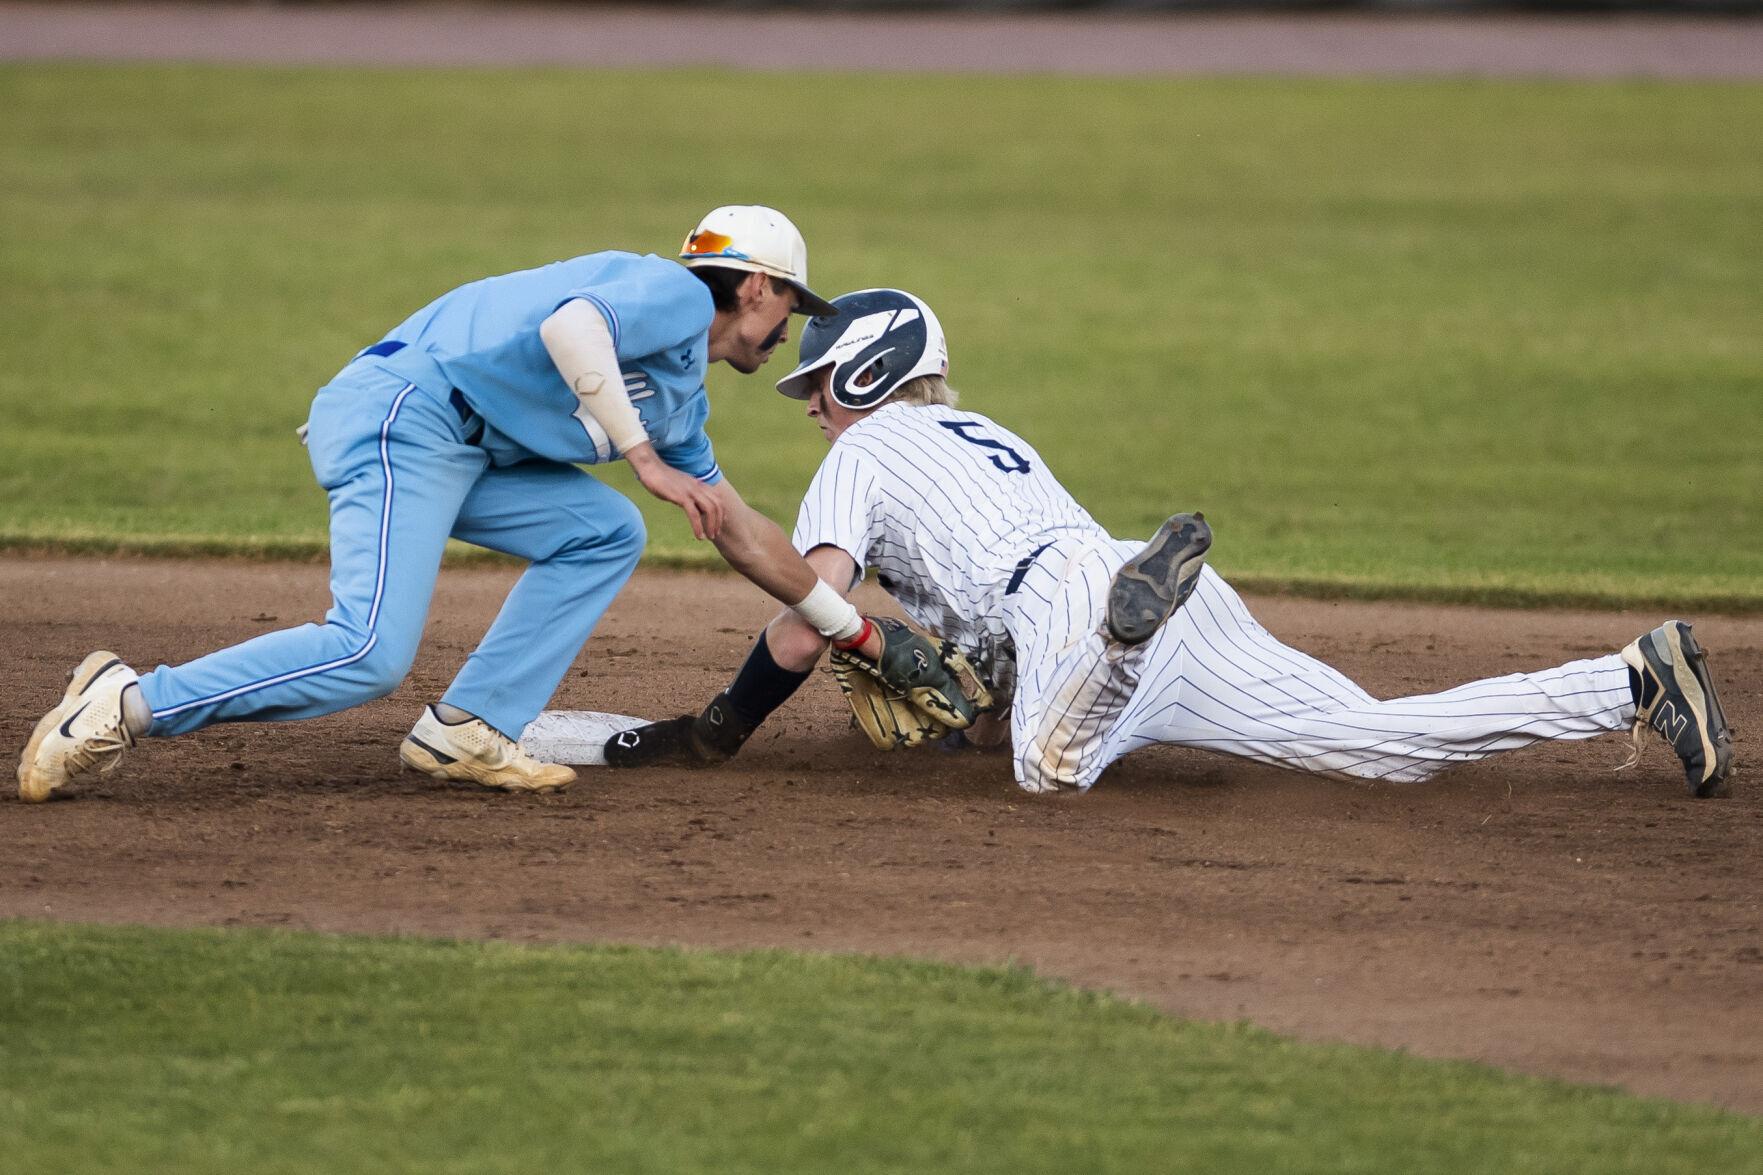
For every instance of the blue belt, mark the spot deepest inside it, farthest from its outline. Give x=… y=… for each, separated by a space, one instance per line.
x=381 y=350
x=456 y=397
x=1022 y=569
x=474 y=431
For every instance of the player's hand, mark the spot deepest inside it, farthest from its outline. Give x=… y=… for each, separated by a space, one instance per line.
x=702 y=507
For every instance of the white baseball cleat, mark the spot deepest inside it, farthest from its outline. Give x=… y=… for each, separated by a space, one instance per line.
x=82 y=735
x=476 y=752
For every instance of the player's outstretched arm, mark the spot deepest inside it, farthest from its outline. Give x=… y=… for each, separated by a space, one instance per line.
x=756 y=547
x=793 y=640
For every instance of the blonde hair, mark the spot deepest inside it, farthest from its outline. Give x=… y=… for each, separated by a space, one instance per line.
x=926 y=389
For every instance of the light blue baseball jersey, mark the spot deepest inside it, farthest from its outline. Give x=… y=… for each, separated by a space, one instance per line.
x=483 y=340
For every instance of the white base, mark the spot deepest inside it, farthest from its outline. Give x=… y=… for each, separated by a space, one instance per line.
x=575 y=737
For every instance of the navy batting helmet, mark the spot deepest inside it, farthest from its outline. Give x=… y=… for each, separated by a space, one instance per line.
x=878 y=340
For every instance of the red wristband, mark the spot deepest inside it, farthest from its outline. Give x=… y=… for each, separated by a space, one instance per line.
x=862 y=635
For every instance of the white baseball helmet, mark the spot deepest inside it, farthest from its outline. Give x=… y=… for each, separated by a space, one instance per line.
x=757 y=239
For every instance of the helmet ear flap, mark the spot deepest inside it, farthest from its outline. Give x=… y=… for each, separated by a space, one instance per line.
x=861 y=383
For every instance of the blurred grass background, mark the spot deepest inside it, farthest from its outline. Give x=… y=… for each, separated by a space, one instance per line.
x=127 y=1049
x=1449 y=339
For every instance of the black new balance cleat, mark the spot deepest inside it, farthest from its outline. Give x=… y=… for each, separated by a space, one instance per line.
x=1677 y=700
x=1157 y=580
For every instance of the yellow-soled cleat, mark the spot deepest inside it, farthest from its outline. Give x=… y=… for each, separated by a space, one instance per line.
x=476 y=752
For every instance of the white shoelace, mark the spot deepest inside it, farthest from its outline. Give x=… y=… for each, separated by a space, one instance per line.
x=101 y=751
x=1638 y=733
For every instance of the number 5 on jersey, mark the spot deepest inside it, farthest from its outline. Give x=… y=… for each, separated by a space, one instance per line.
x=968 y=430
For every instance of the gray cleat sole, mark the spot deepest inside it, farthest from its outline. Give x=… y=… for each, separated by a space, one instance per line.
x=1156 y=581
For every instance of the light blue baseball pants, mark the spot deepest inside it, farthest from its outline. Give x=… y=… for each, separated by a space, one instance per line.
x=401 y=478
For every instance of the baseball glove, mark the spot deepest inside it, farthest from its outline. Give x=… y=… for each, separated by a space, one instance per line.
x=916 y=693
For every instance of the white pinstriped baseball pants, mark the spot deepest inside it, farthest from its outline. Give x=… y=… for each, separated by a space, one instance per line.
x=1214 y=678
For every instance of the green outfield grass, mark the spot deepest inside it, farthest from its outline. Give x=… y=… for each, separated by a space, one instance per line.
x=1450 y=338
x=134 y=1050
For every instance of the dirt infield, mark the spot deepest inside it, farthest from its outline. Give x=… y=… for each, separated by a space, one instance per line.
x=1085 y=43
x=1537 y=911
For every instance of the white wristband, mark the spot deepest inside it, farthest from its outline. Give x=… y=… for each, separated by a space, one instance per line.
x=828 y=613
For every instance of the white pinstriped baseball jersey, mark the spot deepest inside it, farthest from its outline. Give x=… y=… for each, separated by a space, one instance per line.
x=944 y=504
x=979 y=544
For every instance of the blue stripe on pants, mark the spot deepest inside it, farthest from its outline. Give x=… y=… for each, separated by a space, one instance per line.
x=392 y=461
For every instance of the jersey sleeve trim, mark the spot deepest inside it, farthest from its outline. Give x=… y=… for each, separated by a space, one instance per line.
x=603 y=306
x=695 y=458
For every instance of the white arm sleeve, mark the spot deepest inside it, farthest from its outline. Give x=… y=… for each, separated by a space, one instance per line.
x=580 y=344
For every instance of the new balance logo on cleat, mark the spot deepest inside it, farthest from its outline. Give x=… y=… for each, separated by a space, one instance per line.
x=1677 y=700
x=1668 y=722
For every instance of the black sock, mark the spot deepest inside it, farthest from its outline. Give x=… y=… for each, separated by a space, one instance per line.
x=1634 y=685
x=762 y=685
